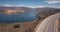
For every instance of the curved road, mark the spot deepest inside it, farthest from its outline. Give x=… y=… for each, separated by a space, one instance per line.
x=50 y=24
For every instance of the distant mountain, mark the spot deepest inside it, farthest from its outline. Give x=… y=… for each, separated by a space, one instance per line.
x=16 y=8
x=26 y=9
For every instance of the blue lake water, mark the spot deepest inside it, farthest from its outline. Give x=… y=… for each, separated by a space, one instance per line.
x=18 y=17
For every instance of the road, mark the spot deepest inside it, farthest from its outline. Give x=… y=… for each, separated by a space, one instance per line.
x=50 y=24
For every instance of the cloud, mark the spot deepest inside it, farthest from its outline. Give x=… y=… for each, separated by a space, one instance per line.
x=19 y=5
x=52 y=2
x=7 y=5
x=35 y=6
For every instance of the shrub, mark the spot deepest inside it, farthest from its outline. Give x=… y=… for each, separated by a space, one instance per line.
x=17 y=26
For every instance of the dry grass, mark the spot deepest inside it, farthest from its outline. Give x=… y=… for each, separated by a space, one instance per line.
x=10 y=27
x=24 y=27
x=59 y=25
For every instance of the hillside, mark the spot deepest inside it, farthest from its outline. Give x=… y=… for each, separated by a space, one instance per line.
x=42 y=13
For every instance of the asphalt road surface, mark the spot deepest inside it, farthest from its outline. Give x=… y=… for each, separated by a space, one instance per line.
x=50 y=24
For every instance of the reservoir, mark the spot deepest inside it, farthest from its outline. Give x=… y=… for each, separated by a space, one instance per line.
x=17 y=17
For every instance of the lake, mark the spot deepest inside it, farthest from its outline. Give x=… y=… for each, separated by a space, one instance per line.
x=17 y=17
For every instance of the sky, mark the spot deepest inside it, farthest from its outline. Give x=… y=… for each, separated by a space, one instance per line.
x=31 y=3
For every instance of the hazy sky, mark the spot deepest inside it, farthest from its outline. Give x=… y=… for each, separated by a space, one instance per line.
x=50 y=3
